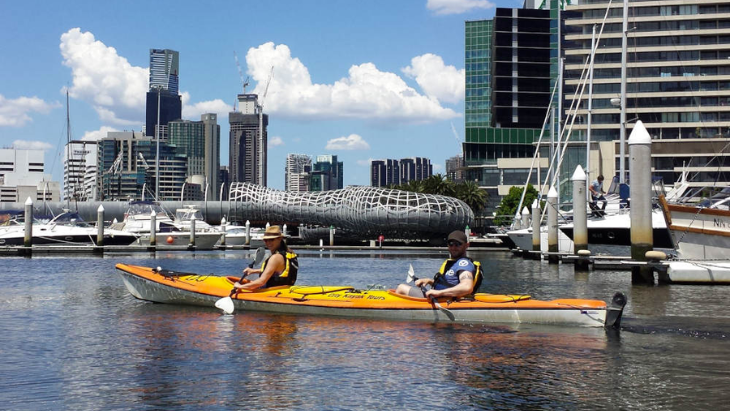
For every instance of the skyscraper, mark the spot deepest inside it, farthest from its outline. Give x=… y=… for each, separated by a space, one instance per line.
x=297 y=172
x=200 y=142
x=248 y=140
x=415 y=168
x=164 y=82
x=454 y=168
x=384 y=173
x=326 y=174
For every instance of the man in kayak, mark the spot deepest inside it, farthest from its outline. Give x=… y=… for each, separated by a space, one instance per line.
x=459 y=275
x=279 y=269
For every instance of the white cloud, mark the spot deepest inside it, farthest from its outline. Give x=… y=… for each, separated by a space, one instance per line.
x=14 y=112
x=364 y=162
x=457 y=6
x=351 y=142
x=96 y=135
x=116 y=89
x=276 y=141
x=194 y=111
x=445 y=83
x=366 y=93
x=31 y=145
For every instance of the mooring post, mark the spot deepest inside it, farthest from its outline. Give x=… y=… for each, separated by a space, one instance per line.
x=28 y=237
x=536 y=216
x=153 y=229
x=192 y=233
x=552 y=209
x=580 y=219
x=223 y=232
x=248 y=232
x=332 y=235
x=642 y=237
x=283 y=230
x=100 y=227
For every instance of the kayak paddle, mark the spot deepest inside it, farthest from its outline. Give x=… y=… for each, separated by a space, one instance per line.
x=226 y=303
x=412 y=277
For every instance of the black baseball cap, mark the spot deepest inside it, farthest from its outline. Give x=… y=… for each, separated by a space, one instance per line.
x=459 y=236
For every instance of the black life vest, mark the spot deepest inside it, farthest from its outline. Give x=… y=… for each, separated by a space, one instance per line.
x=439 y=277
x=286 y=277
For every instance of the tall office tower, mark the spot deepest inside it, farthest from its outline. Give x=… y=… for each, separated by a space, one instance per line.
x=384 y=173
x=455 y=168
x=508 y=61
x=248 y=140
x=164 y=82
x=326 y=174
x=21 y=177
x=127 y=168
x=75 y=170
x=225 y=183
x=677 y=84
x=91 y=183
x=415 y=168
x=296 y=172
x=200 y=142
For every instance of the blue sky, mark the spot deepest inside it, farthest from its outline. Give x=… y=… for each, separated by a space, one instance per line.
x=358 y=79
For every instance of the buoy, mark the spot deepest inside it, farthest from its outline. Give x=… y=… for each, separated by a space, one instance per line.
x=170 y=240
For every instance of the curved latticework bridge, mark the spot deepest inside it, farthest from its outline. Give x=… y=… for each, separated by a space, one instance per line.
x=368 y=211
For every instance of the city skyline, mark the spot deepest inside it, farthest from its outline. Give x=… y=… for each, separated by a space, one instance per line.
x=362 y=85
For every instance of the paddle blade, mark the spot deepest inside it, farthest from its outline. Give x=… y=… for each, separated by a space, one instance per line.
x=260 y=254
x=225 y=304
x=411 y=274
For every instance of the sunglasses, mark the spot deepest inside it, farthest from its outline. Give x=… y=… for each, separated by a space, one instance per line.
x=454 y=243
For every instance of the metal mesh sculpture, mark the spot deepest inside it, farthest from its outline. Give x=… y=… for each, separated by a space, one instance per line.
x=368 y=211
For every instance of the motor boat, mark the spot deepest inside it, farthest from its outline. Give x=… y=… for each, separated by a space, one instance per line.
x=168 y=232
x=67 y=228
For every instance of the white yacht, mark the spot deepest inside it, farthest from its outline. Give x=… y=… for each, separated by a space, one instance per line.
x=66 y=228
x=168 y=232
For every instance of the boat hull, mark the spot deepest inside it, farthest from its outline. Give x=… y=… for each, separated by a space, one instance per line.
x=189 y=289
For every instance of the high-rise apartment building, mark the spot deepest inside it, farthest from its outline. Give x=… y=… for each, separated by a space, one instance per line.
x=127 y=168
x=677 y=84
x=22 y=176
x=248 y=140
x=297 y=172
x=455 y=168
x=163 y=94
x=510 y=61
x=199 y=141
x=384 y=173
x=326 y=174
x=78 y=181
x=415 y=168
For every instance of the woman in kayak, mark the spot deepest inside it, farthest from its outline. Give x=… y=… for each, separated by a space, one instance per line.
x=459 y=276
x=279 y=269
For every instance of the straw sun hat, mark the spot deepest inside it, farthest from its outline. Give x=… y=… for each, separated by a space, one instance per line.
x=272 y=232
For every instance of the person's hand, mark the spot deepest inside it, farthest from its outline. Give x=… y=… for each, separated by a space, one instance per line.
x=433 y=293
x=249 y=270
x=423 y=281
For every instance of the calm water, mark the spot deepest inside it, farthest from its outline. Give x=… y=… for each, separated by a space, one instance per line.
x=72 y=337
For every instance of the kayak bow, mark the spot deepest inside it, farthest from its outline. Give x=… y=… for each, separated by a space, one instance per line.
x=163 y=286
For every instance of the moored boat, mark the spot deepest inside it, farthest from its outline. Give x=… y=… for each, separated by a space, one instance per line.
x=163 y=286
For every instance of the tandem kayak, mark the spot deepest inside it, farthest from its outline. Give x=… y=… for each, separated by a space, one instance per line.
x=164 y=286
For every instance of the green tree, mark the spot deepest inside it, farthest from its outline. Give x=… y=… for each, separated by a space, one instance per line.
x=508 y=207
x=439 y=184
x=470 y=193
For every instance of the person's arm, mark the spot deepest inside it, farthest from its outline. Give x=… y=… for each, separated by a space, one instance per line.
x=466 y=283
x=275 y=263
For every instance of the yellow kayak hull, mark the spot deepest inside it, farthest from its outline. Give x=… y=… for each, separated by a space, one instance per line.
x=204 y=290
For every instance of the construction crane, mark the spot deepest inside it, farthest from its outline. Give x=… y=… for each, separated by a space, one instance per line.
x=261 y=162
x=244 y=83
x=146 y=166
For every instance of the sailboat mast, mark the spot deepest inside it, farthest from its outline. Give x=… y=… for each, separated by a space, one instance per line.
x=68 y=154
x=622 y=135
x=590 y=110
